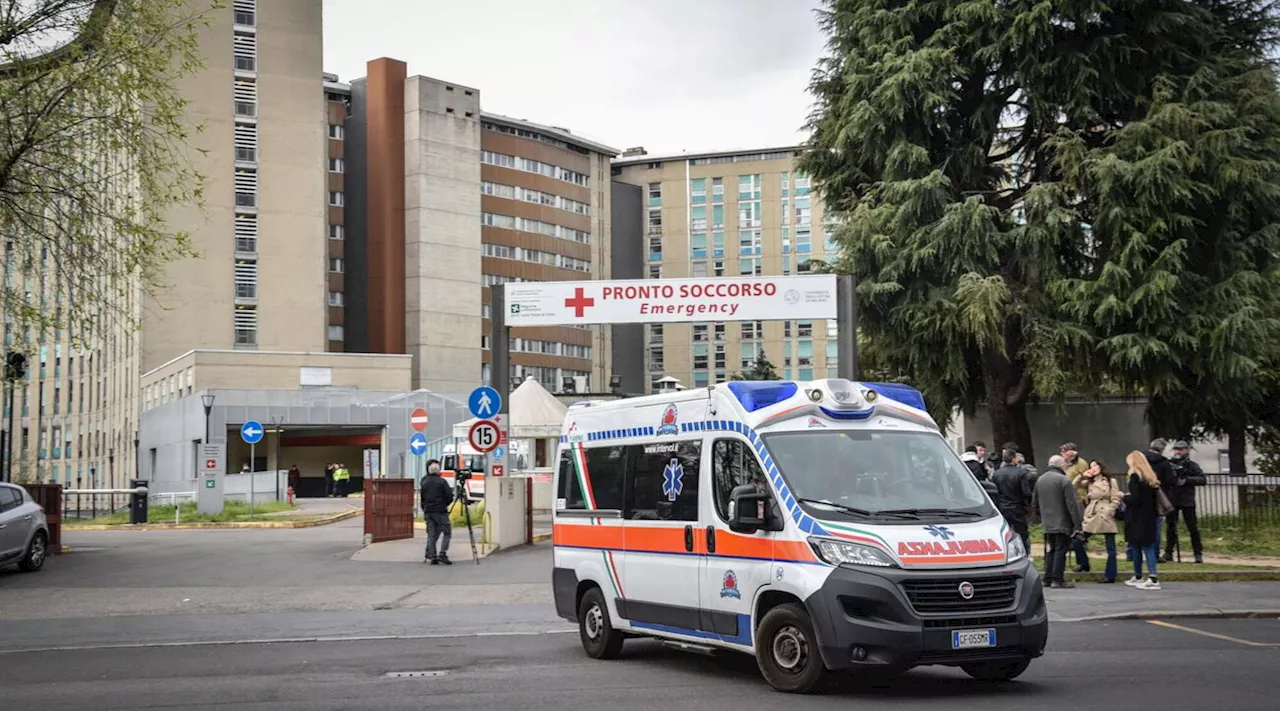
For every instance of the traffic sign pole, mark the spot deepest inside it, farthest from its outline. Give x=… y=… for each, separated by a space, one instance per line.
x=253 y=469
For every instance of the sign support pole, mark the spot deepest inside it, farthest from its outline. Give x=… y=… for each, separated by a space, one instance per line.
x=499 y=345
x=846 y=327
x=253 y=469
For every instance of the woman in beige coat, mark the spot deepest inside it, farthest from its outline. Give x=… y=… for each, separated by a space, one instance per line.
x=1102 y=500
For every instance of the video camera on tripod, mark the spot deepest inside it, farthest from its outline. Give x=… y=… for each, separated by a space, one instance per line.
x=463 y=468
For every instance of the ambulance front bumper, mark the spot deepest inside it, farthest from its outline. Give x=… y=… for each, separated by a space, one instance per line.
x=885 y=618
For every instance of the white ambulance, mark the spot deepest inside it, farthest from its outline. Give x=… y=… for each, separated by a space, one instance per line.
x=820 y=526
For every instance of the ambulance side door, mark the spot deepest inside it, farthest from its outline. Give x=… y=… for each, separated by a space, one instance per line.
x=736 y=565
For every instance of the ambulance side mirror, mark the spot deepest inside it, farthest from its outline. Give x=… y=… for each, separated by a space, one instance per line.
x=747 y=509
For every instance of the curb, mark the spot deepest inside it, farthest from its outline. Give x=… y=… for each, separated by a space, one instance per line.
x=219 y=524
x=1177 y=614
x=1197 y=576
x=540 y=537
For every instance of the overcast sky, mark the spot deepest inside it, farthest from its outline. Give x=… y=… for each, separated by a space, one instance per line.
x=669 y=75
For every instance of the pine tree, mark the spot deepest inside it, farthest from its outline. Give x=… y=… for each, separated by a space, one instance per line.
x=1021 y=183
x=762 y=369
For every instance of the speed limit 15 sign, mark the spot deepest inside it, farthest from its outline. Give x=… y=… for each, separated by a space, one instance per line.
x=483 y=436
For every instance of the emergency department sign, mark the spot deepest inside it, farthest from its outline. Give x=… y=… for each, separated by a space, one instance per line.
x=750 y=298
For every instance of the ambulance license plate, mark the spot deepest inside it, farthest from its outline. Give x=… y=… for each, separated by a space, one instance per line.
x=972 y=639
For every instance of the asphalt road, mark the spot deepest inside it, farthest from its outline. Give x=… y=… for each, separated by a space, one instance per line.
x=1130 y=664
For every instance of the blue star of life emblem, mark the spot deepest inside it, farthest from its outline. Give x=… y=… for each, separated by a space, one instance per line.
x=940 y=531
x=671 y=476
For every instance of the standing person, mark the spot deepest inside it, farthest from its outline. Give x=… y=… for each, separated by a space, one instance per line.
x=1187 y=476
x=340 y=478
x=974 y=458
x=1141 y=522
x=328 y=478
x=1060 y=513
x=1074 y=470
x=436 y=498
x=1103 y=497
x=1164 y=473
x=1013 y=495
x=295 y=478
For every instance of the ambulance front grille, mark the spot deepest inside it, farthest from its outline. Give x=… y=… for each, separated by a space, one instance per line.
x=942 y=595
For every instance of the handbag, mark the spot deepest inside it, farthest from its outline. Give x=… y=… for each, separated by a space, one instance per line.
x=1163 y=506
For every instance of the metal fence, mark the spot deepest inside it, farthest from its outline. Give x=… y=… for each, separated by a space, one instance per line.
x=1236 y=503
x=91 y=503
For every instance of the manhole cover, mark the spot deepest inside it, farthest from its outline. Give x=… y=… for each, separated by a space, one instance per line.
x=416 y=674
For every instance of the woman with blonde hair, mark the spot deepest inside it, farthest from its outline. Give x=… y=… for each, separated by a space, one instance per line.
x=1103 y=497
x=1140 y=519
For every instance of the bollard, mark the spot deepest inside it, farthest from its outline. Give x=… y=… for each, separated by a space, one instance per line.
x=138 y=502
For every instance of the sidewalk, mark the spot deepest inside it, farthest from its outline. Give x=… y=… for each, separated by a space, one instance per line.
x=1091 y=601
x=413 y=550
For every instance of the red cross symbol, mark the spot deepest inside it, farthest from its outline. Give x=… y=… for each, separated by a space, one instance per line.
x=579 y=302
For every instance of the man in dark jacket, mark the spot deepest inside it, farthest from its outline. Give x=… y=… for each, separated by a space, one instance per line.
x=974 y=458
x=1164 y=472
x=1055 y=498
x=1187 y=476
x=436 y=498
x=1013 y=495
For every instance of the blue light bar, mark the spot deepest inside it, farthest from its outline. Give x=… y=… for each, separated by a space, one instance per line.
x=759 y=394
x=904 y=394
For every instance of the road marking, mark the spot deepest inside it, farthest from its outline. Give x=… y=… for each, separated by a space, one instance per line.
x=280 y=640
x=1214 y=635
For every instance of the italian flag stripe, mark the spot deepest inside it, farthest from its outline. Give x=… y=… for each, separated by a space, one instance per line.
x=584 y=481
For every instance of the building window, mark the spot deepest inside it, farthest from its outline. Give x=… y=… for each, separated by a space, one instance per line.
x=336 y=131
x=335 y=298
x=335 y=265
x=246 y=337
x=655 y=194
x=336 y=198
x=655 y=271
x=246 y=108
x=244 y=12
x=337 y=232
x=246 y=155
x=246 y=64
x=335 y=333
x=717 y=190
x=335 y=165
x=246 y=200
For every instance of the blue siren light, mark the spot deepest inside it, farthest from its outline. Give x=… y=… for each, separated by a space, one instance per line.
x=904 y=394
x=759 y=394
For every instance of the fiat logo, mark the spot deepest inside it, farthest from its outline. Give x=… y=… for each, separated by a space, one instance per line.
x=966 y=590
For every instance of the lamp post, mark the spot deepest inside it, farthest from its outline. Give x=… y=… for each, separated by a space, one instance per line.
x=137 y=457
x=207 y=400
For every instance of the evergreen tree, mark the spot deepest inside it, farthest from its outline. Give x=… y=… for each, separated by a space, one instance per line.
x=1002 y=169
x=762 y=369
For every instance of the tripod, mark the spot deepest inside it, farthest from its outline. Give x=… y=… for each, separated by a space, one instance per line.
x=460 y=493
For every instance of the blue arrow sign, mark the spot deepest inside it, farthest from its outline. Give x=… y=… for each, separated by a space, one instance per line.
x=417 y=443
x=499 y=452
x=251 y=432
x=485 y=402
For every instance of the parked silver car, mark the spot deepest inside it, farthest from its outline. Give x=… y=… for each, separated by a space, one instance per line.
x=24 y=532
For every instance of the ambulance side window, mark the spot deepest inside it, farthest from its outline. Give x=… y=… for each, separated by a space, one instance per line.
x=732 y=465
x=570 y=491
x=662 y=481
x=605 y=467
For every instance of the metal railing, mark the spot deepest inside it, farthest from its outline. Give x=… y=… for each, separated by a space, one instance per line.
x=172 y=496
x=96 y=502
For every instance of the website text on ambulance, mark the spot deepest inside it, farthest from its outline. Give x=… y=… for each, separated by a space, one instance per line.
x=709 y=298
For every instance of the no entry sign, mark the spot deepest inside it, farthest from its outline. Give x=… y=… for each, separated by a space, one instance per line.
x=418 y=419
x=749 y=298
x=483 y=436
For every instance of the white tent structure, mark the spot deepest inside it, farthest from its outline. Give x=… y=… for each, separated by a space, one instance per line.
x=534 y=413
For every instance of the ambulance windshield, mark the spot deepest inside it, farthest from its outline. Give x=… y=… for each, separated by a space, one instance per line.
x=895 y=476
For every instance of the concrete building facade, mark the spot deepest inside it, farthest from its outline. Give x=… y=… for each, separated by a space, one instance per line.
x=730 y=214
x=453 y=201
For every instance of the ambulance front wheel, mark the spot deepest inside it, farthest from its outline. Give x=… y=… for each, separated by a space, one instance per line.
x=787 y=650
x=595 y=628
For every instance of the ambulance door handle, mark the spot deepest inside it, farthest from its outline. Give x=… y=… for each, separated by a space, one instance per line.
x=711 y=539
x=688 y=539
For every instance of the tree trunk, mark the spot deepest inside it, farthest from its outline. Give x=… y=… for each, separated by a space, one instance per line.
x=1236 y=442
x=1008 y=388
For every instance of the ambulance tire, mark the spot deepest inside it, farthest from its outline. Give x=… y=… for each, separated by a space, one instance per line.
x=787 y=650
x=997 y=671
x=599 y=638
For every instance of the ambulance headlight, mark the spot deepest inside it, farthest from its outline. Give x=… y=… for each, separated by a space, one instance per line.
x=846 y=553
x=1014 y=550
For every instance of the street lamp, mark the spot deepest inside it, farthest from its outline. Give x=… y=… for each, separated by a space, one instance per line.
x=207 y=401
x=137 y=457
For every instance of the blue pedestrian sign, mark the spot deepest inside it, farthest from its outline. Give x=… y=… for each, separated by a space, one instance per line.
x=251 y=432
x=417 y=443
x=485 y=402
x=500 y=452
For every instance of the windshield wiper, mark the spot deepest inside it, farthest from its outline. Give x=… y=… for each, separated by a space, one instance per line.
x=838 y=507
x=929 y=512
